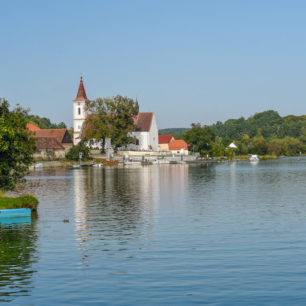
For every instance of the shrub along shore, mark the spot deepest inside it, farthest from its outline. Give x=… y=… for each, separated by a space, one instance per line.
x=26 y=201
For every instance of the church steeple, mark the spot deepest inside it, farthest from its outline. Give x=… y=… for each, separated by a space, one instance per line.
x=79 y=112
x=81 y=96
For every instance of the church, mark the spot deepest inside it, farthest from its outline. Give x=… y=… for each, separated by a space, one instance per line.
x=146 y=131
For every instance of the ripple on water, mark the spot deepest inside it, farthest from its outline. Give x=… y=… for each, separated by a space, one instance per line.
x=221 y=234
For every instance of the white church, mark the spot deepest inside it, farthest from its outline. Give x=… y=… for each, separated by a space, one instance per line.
x=146 y=131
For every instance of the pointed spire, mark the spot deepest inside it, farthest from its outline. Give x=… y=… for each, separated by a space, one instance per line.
x=81 y=96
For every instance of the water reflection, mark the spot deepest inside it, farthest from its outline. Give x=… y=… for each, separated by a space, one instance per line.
x=17 y=255
x=81 y=207
x=120 y=204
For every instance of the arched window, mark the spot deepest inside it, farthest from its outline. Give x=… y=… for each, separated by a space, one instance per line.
x=79 y=111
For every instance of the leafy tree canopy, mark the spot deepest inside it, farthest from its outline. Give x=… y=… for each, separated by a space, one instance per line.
x=16 y=145
x=45 y=123
x=74 y=152
x=199 y=138
x=111 y=118
x=267 y=124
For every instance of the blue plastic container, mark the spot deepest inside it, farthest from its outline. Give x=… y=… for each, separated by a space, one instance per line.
x=19 y=212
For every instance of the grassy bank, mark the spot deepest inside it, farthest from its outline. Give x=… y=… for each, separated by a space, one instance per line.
x=26 y=201
x=261 y=157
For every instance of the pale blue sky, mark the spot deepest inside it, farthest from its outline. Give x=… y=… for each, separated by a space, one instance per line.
x=188 y=61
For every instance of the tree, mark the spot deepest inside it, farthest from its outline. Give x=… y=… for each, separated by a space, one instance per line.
x=244 y=144
x=111 y=118
x=45 y=123
x=16 y=145
x=74 y=152
x=259 y=145
x=201 y=137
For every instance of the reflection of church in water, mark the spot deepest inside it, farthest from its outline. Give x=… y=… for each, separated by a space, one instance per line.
x=113 y=201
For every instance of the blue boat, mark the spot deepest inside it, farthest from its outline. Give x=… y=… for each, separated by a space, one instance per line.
x=19 y=212
x=15 y=221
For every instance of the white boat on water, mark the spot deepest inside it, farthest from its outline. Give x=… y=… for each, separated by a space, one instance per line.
x=254 y=158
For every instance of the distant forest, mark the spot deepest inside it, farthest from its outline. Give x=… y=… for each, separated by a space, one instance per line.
x=263 y=133
x=268 y=124
x=45 y=123
x=172 y=131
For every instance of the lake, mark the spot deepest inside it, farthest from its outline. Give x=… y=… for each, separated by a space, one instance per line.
x=222 y=234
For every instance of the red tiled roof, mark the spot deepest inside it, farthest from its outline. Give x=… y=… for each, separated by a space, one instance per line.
x=58 y=134
x=81 y=96
x=32 y=127
x=178 y=145
x=164 y=138
x=48 y=143
x=143 y=122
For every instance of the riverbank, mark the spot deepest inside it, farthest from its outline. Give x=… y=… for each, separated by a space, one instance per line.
x=115 y=162
x=261 y=157
x=26 y=201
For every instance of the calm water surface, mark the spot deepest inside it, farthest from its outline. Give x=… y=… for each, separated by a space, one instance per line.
x=230 y=234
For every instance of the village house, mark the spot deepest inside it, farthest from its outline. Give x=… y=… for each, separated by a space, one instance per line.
x=178 y=147
x=50 y=143
x=167 y=143
x=163 y=142
x=48 y=148
x=146 y=131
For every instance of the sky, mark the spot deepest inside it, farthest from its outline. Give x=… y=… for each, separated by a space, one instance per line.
x=186 y=61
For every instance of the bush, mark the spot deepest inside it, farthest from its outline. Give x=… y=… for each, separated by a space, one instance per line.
x=74 y=152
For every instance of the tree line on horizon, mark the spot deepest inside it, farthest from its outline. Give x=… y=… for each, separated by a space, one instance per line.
x=263 y=133
x=44 y=123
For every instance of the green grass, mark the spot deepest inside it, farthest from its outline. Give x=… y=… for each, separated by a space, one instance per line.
x=261 y=157
x=26 y=201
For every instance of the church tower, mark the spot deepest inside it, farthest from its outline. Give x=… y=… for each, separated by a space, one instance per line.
x=79 y=112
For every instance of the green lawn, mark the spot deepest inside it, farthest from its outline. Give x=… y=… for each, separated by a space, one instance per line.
x=27 y=201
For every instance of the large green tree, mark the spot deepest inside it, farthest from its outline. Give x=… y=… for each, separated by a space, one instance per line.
x=200 y=138
x=16 y=145
x=111 y=118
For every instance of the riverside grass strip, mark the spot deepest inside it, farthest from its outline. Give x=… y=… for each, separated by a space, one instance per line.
x=26 y=201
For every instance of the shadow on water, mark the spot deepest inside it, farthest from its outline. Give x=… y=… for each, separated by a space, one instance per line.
x=17 y=255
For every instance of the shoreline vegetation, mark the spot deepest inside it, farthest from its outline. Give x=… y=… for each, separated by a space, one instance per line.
x=115 y=163
x=25 y=201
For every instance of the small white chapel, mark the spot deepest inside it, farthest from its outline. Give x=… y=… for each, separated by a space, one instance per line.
x=146 y=130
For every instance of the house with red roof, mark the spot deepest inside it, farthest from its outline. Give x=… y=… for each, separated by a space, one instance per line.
x=146 y=131
x=49 y=148
x=50 y=143
x=178 y=146
x=163 y=142
x=32 y=127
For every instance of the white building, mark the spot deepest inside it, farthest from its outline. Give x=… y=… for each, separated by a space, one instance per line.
x=146 y=131
x=79 y=113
